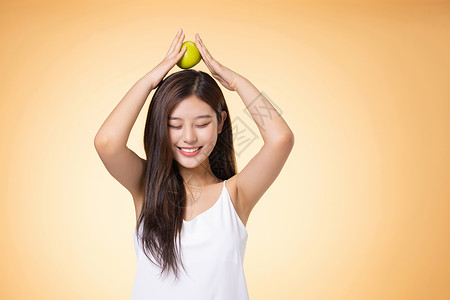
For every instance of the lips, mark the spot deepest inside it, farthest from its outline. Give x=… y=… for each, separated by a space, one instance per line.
x=190 y=147
x=189 y=153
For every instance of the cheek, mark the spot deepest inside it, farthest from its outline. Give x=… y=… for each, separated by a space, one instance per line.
x=210 y=133
x=173 y=137
x=210 y=138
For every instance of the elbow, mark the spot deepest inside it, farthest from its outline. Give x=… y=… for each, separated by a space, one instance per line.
x=287 y=142
x=107 y=145
x=288 y=138
x=284 y=141
x=100 y=142
x=290 y=141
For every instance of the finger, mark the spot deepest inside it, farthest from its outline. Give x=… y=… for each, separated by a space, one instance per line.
x=178 y=37
x=182 y=51
x=200 y=47
x=177 y=47
x=176 y=42
x=207 y=58
x=207 y=54
x=202 y=52
x=177 y=58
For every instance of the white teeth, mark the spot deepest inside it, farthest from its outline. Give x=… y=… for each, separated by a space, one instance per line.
x=190 y=150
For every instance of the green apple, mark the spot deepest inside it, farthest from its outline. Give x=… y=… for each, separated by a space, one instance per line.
x=191 y=56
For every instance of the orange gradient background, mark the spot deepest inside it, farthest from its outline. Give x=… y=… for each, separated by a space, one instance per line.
x=361 y=208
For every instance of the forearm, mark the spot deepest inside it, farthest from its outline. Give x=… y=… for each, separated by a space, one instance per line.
x=271 y=125
x=116 y=129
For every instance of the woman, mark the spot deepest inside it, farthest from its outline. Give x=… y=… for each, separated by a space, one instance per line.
x=191 y=205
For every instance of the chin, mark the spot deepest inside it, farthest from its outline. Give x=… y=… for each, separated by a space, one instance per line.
x=189 y=162
x=190 y=165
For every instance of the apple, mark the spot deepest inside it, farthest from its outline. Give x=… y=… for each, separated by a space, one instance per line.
x=191 y=56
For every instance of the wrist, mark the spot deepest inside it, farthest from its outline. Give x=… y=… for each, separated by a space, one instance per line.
x=240 y=81
x=148 y=81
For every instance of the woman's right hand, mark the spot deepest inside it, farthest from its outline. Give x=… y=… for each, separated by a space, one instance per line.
x=172 y=57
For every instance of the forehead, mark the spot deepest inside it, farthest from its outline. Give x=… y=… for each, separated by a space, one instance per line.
x=190 y=108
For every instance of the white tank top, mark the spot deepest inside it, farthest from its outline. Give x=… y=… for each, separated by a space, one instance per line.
x=213 y=248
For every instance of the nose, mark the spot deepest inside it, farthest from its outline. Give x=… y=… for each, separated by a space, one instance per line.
x=189 y=135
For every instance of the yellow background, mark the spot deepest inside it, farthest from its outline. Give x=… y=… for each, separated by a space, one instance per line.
x=361 y=208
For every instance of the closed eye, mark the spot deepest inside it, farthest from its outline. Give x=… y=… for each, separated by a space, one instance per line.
x=178 y=127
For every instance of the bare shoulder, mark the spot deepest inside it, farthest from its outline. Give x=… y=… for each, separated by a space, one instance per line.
x=231 y=186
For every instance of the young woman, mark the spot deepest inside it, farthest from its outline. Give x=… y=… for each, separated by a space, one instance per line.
x=191 y=204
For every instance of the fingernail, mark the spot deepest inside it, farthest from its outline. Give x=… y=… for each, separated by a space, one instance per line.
x=179 y=29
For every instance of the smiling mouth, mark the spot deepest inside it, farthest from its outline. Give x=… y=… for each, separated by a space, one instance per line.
x=190 y=149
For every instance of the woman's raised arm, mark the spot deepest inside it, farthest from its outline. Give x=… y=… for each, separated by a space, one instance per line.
x=111 y=139
x=116 y=129
x=262 y=170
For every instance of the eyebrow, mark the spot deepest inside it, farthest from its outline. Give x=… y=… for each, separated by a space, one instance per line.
x=198 y=117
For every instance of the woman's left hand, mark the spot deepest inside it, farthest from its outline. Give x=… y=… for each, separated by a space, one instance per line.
x=224 y=75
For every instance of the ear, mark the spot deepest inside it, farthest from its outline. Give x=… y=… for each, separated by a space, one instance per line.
x=224 y=116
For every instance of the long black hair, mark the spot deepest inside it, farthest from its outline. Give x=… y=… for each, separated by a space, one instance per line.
x=165 y=196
